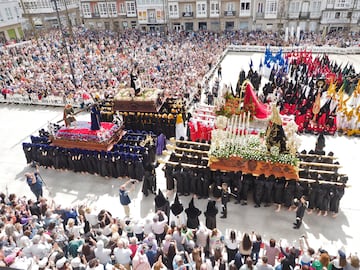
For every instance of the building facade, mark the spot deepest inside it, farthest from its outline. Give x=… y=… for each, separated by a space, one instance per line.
x=42 y=13
x=114 y=15
x=193 y=15
x=10 y=21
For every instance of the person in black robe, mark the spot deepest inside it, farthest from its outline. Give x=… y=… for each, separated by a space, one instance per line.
x=259 y=190
x=336 y=193
x=192 y=214
x=268 y=190
x=95 y=117
x=320 y=145
x=289 y=193
x=279 y=187
x=162 y=203
x=168 y=171
x=247 y=182
x=210 y=214
x=149 y=183
x=238 y=179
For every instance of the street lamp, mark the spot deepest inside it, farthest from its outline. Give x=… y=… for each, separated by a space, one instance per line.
x=64 y=42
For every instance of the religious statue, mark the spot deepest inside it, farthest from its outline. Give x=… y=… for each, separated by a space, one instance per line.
x=95 y=117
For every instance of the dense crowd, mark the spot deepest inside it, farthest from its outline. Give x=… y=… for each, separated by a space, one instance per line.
x=43 y=235
x=103 y=61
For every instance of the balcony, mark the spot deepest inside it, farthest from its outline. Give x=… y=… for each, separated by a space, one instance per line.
x=259 y=15
x=95 y=15
x=304 y=15
x=151 y=20
x=229 y=13
x=188 y=14
x=334 y=21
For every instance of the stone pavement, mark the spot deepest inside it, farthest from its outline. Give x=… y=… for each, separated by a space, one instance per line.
x=18 y=122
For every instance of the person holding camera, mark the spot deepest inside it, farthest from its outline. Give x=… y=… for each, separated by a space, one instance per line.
x=124 y=196
x=301 y=204
x=35 y=183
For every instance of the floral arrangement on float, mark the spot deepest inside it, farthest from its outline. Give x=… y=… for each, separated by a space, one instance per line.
x=129 y=94
x=82 y=132
x=233 y=148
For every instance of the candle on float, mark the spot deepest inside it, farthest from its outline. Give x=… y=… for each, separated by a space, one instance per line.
x=239 y=125
x=243 y=124
x=248 y=121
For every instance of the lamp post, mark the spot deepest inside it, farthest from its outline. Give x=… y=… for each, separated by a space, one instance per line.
x=69 y=21
x=65 y=43
x=29 y=16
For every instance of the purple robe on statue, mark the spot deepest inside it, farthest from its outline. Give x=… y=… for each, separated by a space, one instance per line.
x=160 y=144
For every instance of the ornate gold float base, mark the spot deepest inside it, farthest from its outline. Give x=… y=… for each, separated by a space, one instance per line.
x=255 y=167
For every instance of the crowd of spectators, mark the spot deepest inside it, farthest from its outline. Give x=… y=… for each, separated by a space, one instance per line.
x=103 y=61
x=43 y=235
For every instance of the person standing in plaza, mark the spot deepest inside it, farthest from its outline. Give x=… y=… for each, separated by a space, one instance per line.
x=301 y=204
x=35 y=183
x=225 y=198
x=124 y=196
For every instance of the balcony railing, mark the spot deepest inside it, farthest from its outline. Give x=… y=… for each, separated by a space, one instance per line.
x=304 y=15
x=188 y=14
x=95 y=15
x=259 y=15
x=230 y=13
x=151 y=20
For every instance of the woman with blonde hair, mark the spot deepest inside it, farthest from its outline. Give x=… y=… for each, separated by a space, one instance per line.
x=77 y=230
x=353 y=264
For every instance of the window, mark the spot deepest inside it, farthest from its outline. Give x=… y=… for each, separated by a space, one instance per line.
x=342 y=4
x=1 y=17
x=173 y=10
x=260 y=8
x=8 y=13
x=85 y=7
x=122 y=9
x=337 y=15
x=102 y=9
x=188 y=8
x=230 y=6
x=315 y=6
x=96 y=10
x=16 y=10
x=142 y=15
x=112 y=9
x=294 y=7
x=271 y=7
x=214 y=8
x=130 y=9
x=244 y=6
x=201 y=9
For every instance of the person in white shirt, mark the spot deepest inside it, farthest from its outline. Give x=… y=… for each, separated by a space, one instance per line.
x=232 y=245
x=39 y=249
x=101 y=253
x=122 y=254
x=158 y=227
x=139 y=229
x=147 y=227
x=263 y=264
x=91 y=218
x=77 y=230
x=202 y=235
